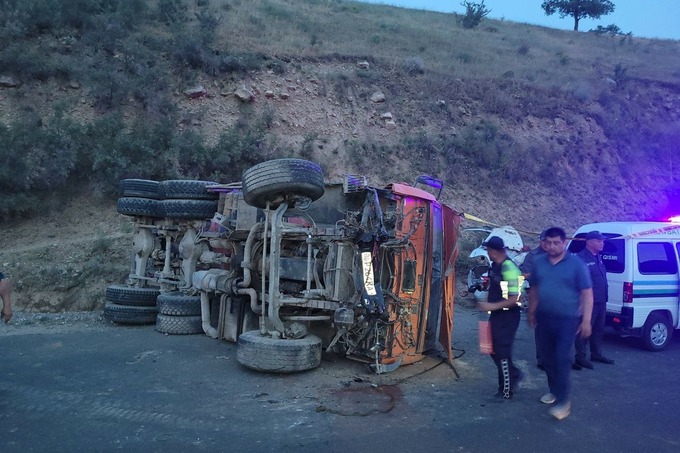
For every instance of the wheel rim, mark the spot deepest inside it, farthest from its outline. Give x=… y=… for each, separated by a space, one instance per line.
x=658 y=334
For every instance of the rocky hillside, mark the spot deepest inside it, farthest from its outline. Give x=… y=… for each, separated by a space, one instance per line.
x=527 y=126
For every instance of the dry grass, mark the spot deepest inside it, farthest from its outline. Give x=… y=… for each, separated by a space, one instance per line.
x=542 y=56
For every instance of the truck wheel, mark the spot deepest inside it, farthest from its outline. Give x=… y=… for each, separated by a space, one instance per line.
x=276 y=355
x=176 y=303
x=188 y=209
x=145 y=207
x=657 y=332
x=187 y=189
x=129 y=314
x=179 y=325
x=274 y=180
x=127 y=295
x=142 y=188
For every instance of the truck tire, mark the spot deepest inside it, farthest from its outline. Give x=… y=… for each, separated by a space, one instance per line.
x=657 y=332
x=144 y=207
x=176 y=303
x=276 y=355
x=141 y=188
x=275 y=180
x=179 y=325
x=187 y=189
x=129 y=314
x=127 y=295
x=188 y=209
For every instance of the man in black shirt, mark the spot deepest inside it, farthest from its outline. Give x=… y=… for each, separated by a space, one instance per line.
x=505 y=281
x=598 y=274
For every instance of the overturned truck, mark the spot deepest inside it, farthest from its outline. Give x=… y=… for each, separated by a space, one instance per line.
x=287 y=265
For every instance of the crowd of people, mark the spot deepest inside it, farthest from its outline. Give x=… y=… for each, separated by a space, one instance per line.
x=567 y=303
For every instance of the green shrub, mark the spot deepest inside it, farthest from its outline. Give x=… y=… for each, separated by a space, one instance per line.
x=474 y=13
x=172 y=11
x=563 y=58
x=38 y=158
x=523 y=50
x=413 y=65
x=620 y=74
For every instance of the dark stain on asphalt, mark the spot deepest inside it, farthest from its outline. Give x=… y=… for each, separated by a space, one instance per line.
x=362 y=401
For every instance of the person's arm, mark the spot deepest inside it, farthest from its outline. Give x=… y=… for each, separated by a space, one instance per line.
x=585 y=329
x=511 y=301
x=533 y=305
x=5 y=289
x=510 y=286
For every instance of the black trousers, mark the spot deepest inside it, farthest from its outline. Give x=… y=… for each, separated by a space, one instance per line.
x=504 y=324
x=597 y=322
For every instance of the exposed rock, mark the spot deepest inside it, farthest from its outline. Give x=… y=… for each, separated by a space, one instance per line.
x=386 y=116
x=609 y=82
x=560 y=124
x=441 y=103
x=195 y=91
x=378 y=96
x=74 y=85
x=243 y=94
x=269 y=94
x=284 y=95
x=363 y=65
x=390 y=124
x=7 y=81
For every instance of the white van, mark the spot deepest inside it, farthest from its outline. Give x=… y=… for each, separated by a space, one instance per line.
x=642 y=270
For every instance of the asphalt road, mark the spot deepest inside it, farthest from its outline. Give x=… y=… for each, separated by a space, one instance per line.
x=110 y=388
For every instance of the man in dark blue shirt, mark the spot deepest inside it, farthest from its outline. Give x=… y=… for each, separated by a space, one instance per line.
x=598 y=274
x=561 y=291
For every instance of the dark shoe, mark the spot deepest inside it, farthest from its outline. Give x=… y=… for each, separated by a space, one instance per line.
x=602 y=359
x=584 y=363
x=576 y=366
x=499 y=395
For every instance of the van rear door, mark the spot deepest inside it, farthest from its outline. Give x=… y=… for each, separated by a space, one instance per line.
x=655 y=287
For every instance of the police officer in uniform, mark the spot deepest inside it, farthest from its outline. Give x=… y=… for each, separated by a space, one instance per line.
x=505 y=281
x=598 y=274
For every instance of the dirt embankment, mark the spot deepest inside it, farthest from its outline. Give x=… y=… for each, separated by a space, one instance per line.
x=63 y=260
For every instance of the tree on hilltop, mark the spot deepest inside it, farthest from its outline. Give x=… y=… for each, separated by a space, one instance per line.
x=578 y=9
x=474 y=13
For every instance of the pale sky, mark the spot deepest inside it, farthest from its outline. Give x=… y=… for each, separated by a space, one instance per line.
x=644 y=18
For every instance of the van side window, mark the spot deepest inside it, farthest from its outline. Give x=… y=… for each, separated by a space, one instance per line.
x=614 y=255
x=656 y=258
x=578 y=244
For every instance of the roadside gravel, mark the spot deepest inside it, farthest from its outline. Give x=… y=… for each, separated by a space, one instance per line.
x=38 y=323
